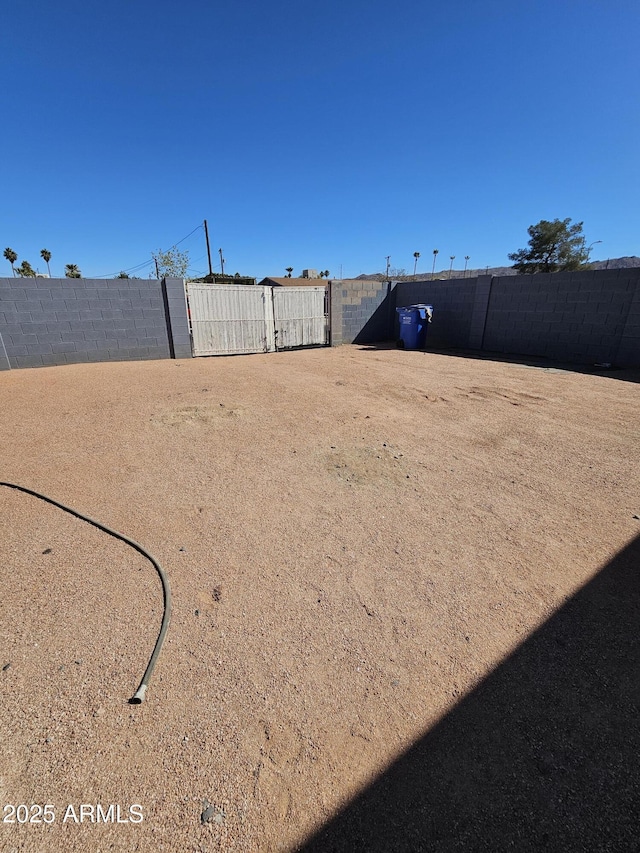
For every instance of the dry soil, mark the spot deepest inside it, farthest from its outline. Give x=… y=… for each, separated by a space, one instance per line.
x=355 y=538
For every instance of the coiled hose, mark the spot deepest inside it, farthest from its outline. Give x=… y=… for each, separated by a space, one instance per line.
x=139 y=695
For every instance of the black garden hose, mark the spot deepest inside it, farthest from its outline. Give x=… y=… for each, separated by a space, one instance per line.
x=138 y=697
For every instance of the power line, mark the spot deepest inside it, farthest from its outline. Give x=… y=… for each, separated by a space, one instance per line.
x=149 y=262
x=129 y=269
x=185 y=238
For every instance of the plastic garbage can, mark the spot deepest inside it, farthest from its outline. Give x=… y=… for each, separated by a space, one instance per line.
x=413 y=321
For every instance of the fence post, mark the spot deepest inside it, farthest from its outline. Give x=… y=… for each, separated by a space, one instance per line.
x=480 y=310
x=335 y=309
x=175 y=306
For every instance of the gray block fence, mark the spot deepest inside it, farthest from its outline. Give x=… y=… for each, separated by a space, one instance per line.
x=61 y=321
x=582 y=317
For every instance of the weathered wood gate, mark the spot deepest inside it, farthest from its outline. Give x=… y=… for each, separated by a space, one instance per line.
x=227 y=319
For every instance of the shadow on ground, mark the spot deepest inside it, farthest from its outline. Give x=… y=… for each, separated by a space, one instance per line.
x=627 y=374
x=543 y=755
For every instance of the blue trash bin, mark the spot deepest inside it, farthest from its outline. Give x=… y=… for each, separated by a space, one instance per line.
x=413 y=321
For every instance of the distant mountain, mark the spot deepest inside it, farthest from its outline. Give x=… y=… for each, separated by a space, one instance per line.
x=616 y=263
x=612 y=264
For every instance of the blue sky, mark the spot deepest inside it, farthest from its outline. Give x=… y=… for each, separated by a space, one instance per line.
x=325 y=135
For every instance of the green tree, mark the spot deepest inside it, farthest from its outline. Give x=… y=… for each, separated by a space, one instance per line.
x=45 y=254
x=554 y=246
x=72 y=271
x=288 y=270
x=123 y=275
x=12 y=257
x=25 y=270
x=416 y=255
x=172 y=263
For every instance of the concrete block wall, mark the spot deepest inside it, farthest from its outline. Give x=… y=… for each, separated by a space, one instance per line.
x=582 y=317
x=453 y=302
x=62 y=321
x=629 y=349
x=577 y=317
x=4 y=358
x=361 y=311
x=176 y=316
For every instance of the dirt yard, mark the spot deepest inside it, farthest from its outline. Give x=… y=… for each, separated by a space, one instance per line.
x=355 y=538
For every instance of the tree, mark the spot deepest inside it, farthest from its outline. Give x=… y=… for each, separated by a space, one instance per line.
x=416 y=255
x=45 y=254
x=123 y=275
x=433 y=269
x=553 y=247
x=25 y=270
x=172 y=263
x=324 y=273
x=288 y=270
x=72 y=271
x=12 y=257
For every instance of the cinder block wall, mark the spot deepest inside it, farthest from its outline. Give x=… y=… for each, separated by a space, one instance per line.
x=361 y=311
x=453 y=308
x=580 y=317
x=61 y=321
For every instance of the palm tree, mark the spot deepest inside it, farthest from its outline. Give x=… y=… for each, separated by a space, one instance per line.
x=433 y=269
x=72 y=271
x=45 y=254
x=25 y=270
x=466 y=261
x=324 y=274
x=288 y=270
x=12 y=257
x=452 y=259
x=416 y=255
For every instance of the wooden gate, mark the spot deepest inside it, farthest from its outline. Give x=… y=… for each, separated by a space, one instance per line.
x=226 y=319
x=230 y=318
x=300 y=316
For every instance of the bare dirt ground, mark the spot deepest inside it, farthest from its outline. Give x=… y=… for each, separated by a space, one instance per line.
x=355 y=538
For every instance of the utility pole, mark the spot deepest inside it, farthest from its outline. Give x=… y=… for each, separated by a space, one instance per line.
x=206 y=236
x=157 y=270
x=221 y=261
x=388 y=259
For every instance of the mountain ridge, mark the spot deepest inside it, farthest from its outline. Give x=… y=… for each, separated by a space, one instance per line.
x=626 y=262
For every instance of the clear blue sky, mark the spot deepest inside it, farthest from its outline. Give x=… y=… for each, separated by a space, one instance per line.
x=315 y=134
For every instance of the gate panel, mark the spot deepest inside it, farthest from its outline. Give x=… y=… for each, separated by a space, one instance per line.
x=300 y=316
x=228 y=319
